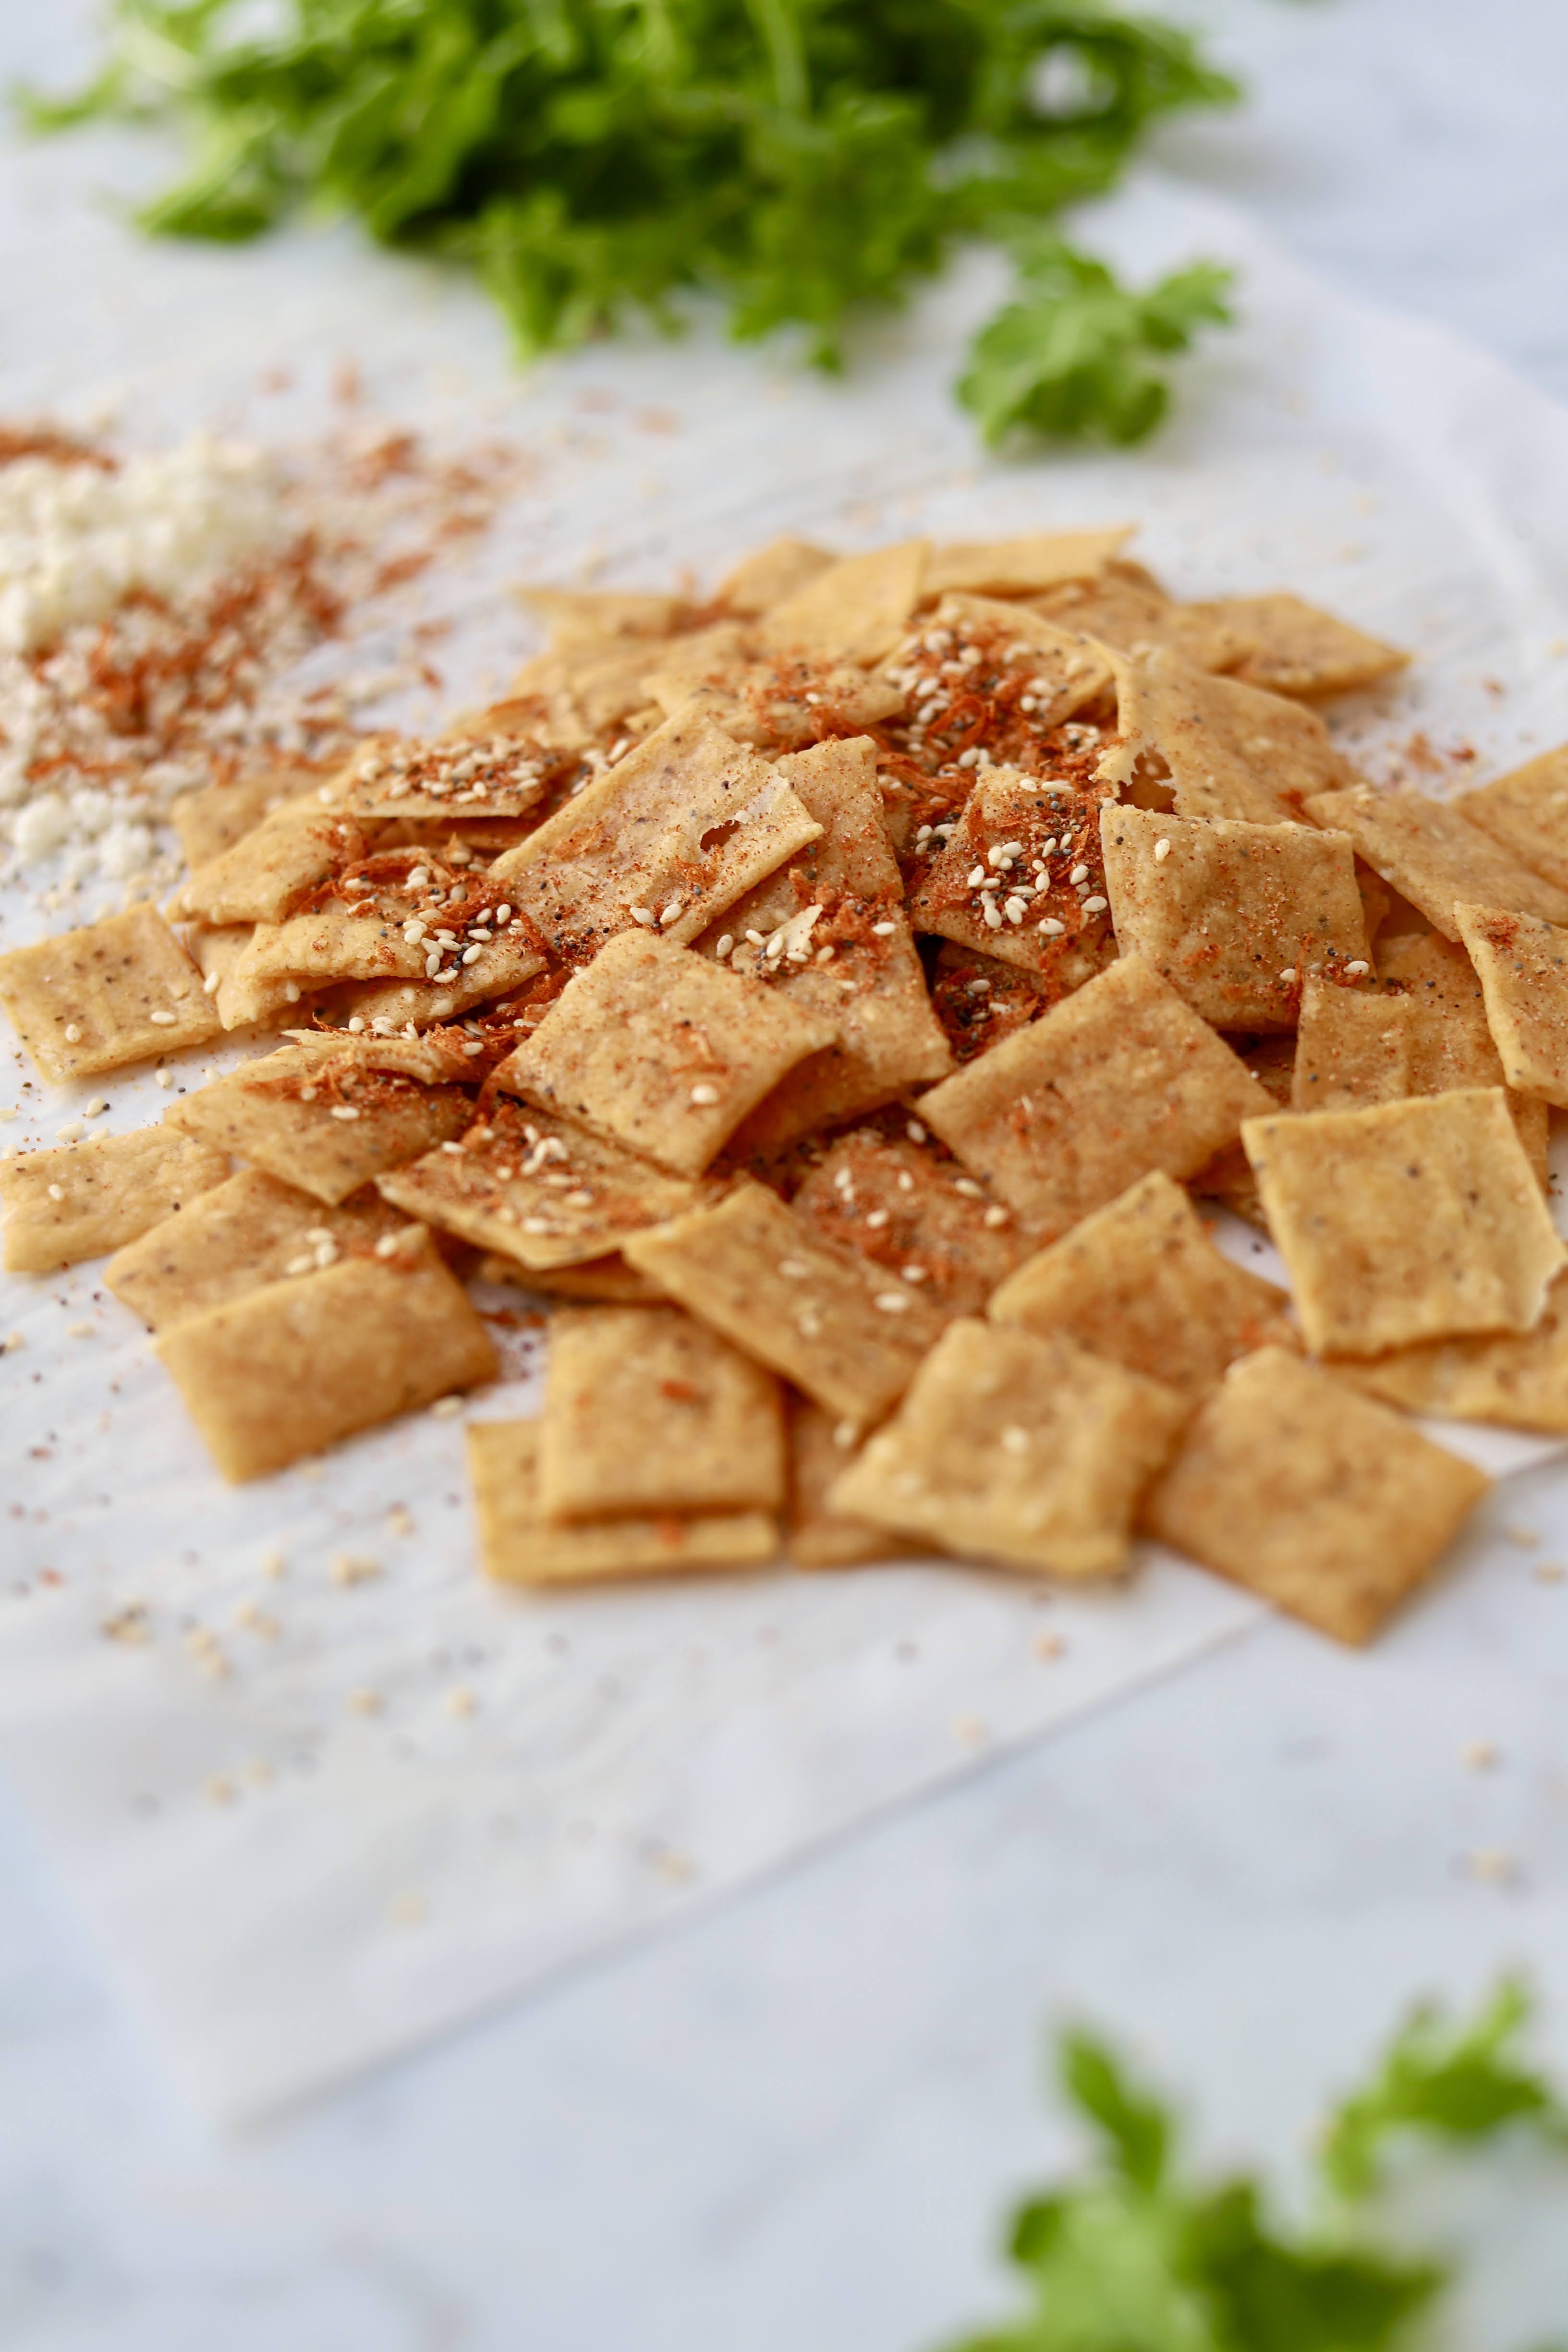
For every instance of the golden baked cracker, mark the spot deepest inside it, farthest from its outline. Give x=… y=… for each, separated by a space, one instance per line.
x=914 y=1216
x=1406 y=1222
x=1449 y=1040
x=261 y=877
x=474 y=772
x=856 y=609
x=1228 y=749
x=208 y=821
x=1004 y=883
x=329 y=944
x=1526 y=812
x=1294 y=648
x=1129 y=611
x=720 y=655
x=608 y=1281
x=1067 y=671
x=573 y=614
x=85 y=1199
x=769 y=575
x=1377 y=901
x=1523 y=966
x=1023 y=566
x=238 y=1001
x=820 y=1316
x=677 y=830
x=1140 y=1283
x=502 y=965
x=1015 y=1448
x=1234 y=915
x=1321 y=1501
x=327 y=1126
x=1434 y=857
x=115 y=991
x=829 y=935
x=289 y=1369
x=1228 y=1178
x=821 y=1446
x=1352 y=1048
x=439 y=1057
x=647 y=1411
x=661 y=1050
x=538 y=1189
x=1518 y=1380
x=517 y=1547
x=1118 y=1080
x=238 y=1237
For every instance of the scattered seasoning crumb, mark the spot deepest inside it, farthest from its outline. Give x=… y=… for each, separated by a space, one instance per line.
x=363 y=1702
x=1548 y=1571
x=1479 y=1755
x=1491 y=1866
x=447 y=1408
x=348 y=1568
x=970 y=1731
x=668 y=1863
x=127 y=1624
x=408 y=1910
x=399 y=1519
x=258 y=1771
x=461 y=1701
x=1526 y=1537
x=221 y=1788
x=1049 y=1646
x=274 y=1565
x=255 y=1619
x=12 y=1343
x=80 y=1331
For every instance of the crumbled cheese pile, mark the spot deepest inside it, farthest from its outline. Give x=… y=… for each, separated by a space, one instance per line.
x=155 y=611
x=76 y=538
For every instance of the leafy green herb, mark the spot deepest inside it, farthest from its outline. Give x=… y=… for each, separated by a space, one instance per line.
x=1072 y=356
x=1131 y=2258
x=592 y=159
x=1465 y=2082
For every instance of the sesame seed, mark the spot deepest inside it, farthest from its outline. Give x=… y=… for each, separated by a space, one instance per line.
x=1162 y=851
x=1014 y=1439
x=1079 y=874
x=1051 y=927
x=159 y=1020
x=447 y=1408
x=996 y=1218
x=388 y=1245
x=304 y=1265
x=891 y=1302
x=704 y=1097
x=671 y=914
x=1288 y=975
x=1095 y=906
x=79 y=1330
x=73 y=1034
x=342 y=1111
x=977 y=878
x=969 y=1188
x=906 y=1181
x=883 y=931
x=913 y=1272
x=211 y=983
x=641 y=914
x=56 y=1192
x=915 y=1131
x=877 y=1219
x=163 y=1077
x=993 y=914
x=69 y=1133
x=1356 y=969
x=472 y=955
x=348 y=1568
x=794 y=1269
x=725 y=947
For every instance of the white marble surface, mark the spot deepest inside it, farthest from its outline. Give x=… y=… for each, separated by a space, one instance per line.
x=795 y=2120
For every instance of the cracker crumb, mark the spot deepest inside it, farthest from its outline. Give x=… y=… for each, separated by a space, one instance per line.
x=461 y=1701
x=1491 y=1866
x=447 y=1408
x=1479 y=1755
x=408 y=1910
x=221 y=1789
x=1525 y=1537
x=970 y=1732
x=363 y=1702
x=1049 y=1646
x=350 y=1567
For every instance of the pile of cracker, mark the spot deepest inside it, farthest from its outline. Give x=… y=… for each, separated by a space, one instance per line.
x=835 y=1000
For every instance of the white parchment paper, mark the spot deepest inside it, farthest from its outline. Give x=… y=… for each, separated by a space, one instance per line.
x=412 y=1795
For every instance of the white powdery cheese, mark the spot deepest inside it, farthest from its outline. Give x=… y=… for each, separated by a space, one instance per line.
x=76 y=540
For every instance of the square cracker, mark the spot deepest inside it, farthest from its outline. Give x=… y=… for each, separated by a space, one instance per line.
x=538 y=1189
x=601 y=1281
x=1352 y=1048
x=208 y=821
x=680 y=827
x=1523 y=966
x=325 y=1123
x=820 y=1316
x=1023 y=566
x=1129 y=612
x=392 y=783
x=1018 y=1449
x=661 y=1050
x=1063 y=670
x=769 y=575
x=1229 y=749
x=1233 y=915
x=237 y=1001
x=821 y=1446
x=1056 y=930
x=517 y=1546
x=915 y=1217
x=1140 y=1283
x=1406 y=1222
x=260 y=878
x=1294 y=648
x=1118 y=1080
x=1448 y=1039
x=118 y=991
x=291 y=1369
x=783 y=704
x=1321 y=1501
x=239 y=1236
x=856 y=609
x=1434 y=857
x=1527 y=813
x=502 y=965
x=847 y=957
x=647 y=1411
x=87 y=1198
x=1518 y=1379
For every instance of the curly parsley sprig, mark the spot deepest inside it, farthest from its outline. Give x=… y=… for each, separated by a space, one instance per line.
x=596 y=159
